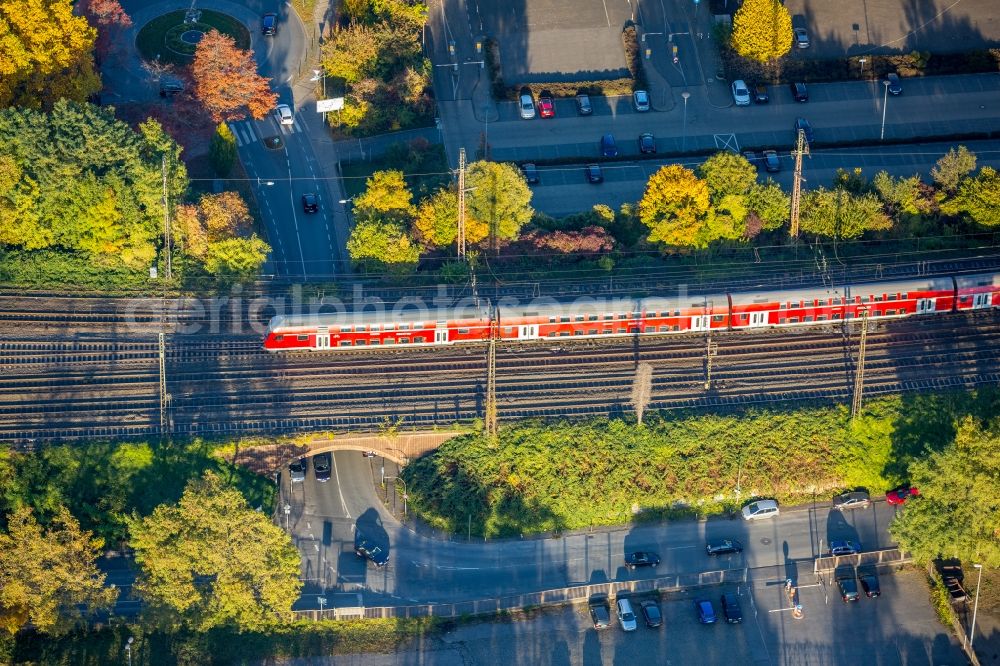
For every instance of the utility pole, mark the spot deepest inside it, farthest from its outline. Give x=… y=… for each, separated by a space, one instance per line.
x=802 y=146
x=859 y=372
x=461 y=203
x=164 y=396
x=166 y=215
x=491 y=376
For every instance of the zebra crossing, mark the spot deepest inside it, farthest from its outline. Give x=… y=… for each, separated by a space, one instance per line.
x=246 y=131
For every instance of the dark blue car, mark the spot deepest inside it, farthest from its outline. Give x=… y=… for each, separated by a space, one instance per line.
x=608 y=146
x=706 y=612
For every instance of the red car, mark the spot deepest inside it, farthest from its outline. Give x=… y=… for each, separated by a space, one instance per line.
x=546 y=109
x=900 y=495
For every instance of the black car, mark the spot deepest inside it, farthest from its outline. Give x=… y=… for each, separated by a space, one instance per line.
x=608 y=146
x=372 y=553
x=269 y=25
x=170 y=87
x=731 y=608
x=760 y=95
x=723 y=547
x=321 y=467
x=799 y=92
x=651 y=612
x=297 y=469
x=310 y=202
x=600 y=613
x=583 y=105
x=869 y=581
x=803 y=124
x=594 y=175
x=847 y=582
x=771 y=161
x=641 y=559
x=647 y=144
x=857 y=499
x=893 y=83
x=530 y=172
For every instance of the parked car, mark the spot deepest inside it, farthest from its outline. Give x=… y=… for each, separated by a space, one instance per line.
x=857 y=499
x=731 y=608
x=625 y=615
x=269 y=25
x=894 y=84
x=802 y=38
x=321 y=466
x=799 y=92
x=297 y=469
x=651 y=612
x=741 y=94
x=723 y=547
x=600 y=614
x=546 y=108
x=647 y=144
x=530 y=172
x=760 y=94
x=283 y=114
x=641 y=558
x=640 y=100
x=901 y=494
x=310 y=203
x=583 y=105
x=594 y=175
x=760 y=509
x=608 y=146
x=838 y=548
x=705 y=610
x=869 y=581
x=772 y=163
x=846 y=582
x=803 y=124
x=526 y=104
x=371 y=552
x=170 y=87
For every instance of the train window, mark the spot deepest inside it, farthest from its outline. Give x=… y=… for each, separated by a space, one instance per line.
x=403 y=341
x=878 y=299
x=794 y=320
x=389 y=341
x=608 y=317
x=301 y=338
x=607 y=331
x=374 y=341
x=508 y=330
x=390 y=327
x=463 y=331
x=677 y=313
x=744 y=316
x=848 y=315
x=636 y=315
x=718 y=318
x=903 y=296
x=807 y=319
x=664 y=329
x=783 y=320
x=404 y=327
x=633 y=329
x=345 y=329
x=890 y=312
x=782 y=306
x=592 y=331
x=592 y=318
x=578 y=318
x=865 y=299
x=345 y=343
x=552 y=334
x=360 y=343
x=375 y=328
x=564 y=319
x=821 y=318
x=577 y=332
x=622 y=330
x=878 y=313
x=649 y=329
x=623 y=316
x=902 y=310
x=552 y=320
x=279 y=338
x=360 y=329
x=563 y=334
x=836 y=301
x=892 y=297
x=675 y=327
x=418 y=339
x=836 y=315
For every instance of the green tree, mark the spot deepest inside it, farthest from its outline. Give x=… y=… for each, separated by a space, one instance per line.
x=386 y=196
x=676 y=208
x=770 y=204
x=839 y=214
x=727 y=173
x=236 y=257
x=436 y=222
x=958 y=511
x=382 y=244
x=46 y=577
x=222 y=150
x=953 y=166
x=978 y=198
x=210 y=560
x=762 y=30
x=901 y=195
x=351 y=53
x=499 y=198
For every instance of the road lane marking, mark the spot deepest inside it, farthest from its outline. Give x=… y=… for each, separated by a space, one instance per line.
x=340 y=490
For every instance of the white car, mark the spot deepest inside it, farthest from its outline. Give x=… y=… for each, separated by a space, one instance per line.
x=626 y=616
x=741 y=94
x=527 y=106
x=283 y=113
x=760 y=509
x=640 y=100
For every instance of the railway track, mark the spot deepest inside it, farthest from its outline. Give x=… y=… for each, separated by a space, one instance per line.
x=97 y=387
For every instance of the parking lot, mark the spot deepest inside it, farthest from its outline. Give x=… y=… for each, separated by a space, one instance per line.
x=900 y=628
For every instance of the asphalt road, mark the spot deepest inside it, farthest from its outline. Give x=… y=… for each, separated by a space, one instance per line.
x=324 y=518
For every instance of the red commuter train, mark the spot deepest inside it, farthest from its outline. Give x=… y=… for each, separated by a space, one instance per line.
x=409 y=325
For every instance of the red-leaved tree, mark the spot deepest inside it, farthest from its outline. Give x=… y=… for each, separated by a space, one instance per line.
x=110 y=19
x=226 y=80
x=589 y=240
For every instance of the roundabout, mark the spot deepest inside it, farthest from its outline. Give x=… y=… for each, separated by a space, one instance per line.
x=169 y=39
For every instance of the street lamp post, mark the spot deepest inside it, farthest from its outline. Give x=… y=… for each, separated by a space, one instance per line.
x=885 y=101
x=975 y=606
x=128 y=650
x=685 y=95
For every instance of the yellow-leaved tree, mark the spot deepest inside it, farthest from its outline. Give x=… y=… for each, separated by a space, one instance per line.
x=762 y=30
x=677 y=209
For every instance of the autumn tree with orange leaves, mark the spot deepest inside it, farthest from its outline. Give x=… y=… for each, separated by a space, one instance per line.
x=226 y=80
x=109 y=17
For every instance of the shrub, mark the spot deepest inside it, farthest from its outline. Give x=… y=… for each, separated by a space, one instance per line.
x=633 y=57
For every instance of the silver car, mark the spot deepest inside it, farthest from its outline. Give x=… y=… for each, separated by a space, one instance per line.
x=741 y=94
x=527 y=105
x=626 y=616
x=765 y=508
x=853 y=500
x=801 y=38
